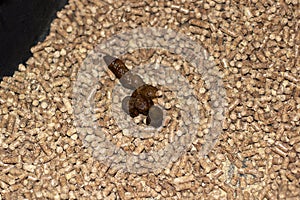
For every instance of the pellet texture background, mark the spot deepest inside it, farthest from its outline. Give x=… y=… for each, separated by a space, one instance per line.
x=255 y=44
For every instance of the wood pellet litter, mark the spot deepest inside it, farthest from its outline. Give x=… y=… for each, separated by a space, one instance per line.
x=255 y=44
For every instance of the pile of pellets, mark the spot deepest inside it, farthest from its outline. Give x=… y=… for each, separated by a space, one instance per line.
x=255 y=44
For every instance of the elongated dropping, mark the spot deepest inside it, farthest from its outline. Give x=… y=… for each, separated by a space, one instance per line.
x=127 y=79
x=147 y=91
x=116 y=65
x=142 y=104
x=141 y=99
